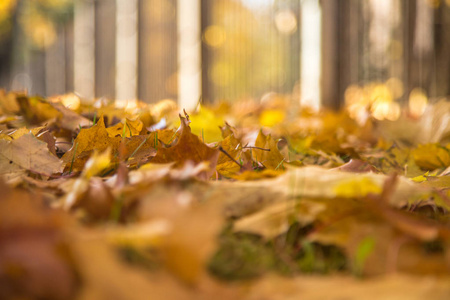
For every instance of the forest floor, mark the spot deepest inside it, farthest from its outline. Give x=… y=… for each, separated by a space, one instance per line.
x=255 y=200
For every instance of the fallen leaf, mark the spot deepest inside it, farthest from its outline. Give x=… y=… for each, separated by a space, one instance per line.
x=431 y=156
x=37 y=110
x=228 y=165
x=267 y=152
x=357 y=166
x=128 y=129
x=68 y=119
x=26 y=153
x=87 y=140
x=135 y=149
x=276 y=219
x=188 y=147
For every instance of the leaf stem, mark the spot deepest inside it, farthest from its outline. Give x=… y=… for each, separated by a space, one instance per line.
x=254 y=147
x=229 y=156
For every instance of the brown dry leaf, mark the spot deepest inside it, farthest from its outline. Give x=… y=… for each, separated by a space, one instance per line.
x=37 y=110
x=130 y=128
x=193 y=228
x=69 y=119
x=87 y=140
x=49 y=139
x=140 y=149
x=27 y=153
x=276 y=219
x=97 y=201
x=188 y=147
x=357 y=166
x=227 y=130
x=134 y=149
x=270 y=157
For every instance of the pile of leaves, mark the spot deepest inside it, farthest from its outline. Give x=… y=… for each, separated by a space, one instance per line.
x=255 y=200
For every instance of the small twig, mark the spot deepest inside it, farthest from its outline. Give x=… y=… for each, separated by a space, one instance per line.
x=254 y=147
x=229 y=156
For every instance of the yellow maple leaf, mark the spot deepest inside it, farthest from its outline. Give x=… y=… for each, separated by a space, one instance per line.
x=357 y=187
x=431 y=156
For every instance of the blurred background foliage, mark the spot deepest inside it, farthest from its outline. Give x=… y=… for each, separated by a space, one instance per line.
x=38 y=19
x=253 y=49
x=376 y=56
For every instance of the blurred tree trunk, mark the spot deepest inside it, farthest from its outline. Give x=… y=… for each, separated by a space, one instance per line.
x=426 y=68
x=409 y=22
x=5 y=57
x=419 y=50
x=206 y=20
x=157 y=58
x=69 y=56
x=55 y=66
x=442 y=50
x=105 y=48
x=338 y=57
x=293 y=59
x=7 y=46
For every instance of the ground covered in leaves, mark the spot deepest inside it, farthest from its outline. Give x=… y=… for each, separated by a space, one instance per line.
x=255 y=200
